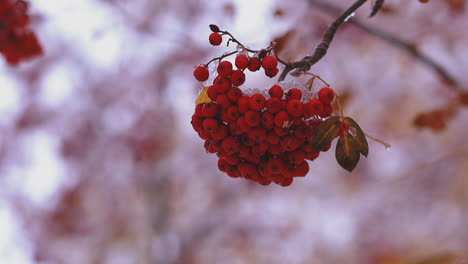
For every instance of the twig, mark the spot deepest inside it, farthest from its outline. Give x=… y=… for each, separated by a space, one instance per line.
x=305 y=63
x=377 y=6
x=406 y=46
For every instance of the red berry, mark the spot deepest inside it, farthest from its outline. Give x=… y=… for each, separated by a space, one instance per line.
x=269 y=62
x=221 y=133
x=209 y=110
x=327 y=110
x=230 y=145
x=201 y=73
x=222 y=84
x=223 y=101
x=257 y=134
x=196 y=122
x=301 y=169
x=271 y=72
x=290 y=143
x=212 y=92
x=212 y=146
x=248 y=171
x=294 y=93
x=286 y=181
x=252 y=118
x=233 y=172
x=302 y=130
x=237 y=77
x=312 y=155
x=234 y=128
x=223 y=165
x=314 y=107
x=276 y=91
x=233 y=113
x=257 y=102
x=242 y=61
x=232 y=159
x=281 y=118
x=215 y=39
x=274 y=105
x=210 y=125
x=243 y=125
x=275 y=166
x=272 y=138
x=297 y=156
x=326 y=95
x=275 y=149
x=294 y=108
x=234 y=94
x=198 y=109
x=243 y=103
x=203 y=134
x=281 y=131
x=224 y=68
x=254 y=64
x=267 y=120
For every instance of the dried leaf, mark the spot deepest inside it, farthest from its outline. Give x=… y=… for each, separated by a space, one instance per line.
x=325 y=133
x=347 y=152
x=359 y=136
x=203 y=97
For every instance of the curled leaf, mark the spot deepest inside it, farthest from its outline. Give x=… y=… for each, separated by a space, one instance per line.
x=347 y=151
x=325 y=133
x=359 y=136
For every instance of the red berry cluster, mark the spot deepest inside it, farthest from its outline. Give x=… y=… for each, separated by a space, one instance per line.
x=16 y=41
x=259 y=138
x=262 y=59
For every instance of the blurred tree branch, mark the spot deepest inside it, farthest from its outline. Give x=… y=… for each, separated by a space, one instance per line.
x=305 y=63
x=393 y=40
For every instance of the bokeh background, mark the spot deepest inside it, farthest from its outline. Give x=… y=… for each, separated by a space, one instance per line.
x=99 y=163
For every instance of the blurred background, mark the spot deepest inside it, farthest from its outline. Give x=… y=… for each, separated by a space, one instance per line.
x=99 y=163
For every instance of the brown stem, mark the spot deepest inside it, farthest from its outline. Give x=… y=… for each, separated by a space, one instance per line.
x=222 y=57
x=406 y=46
x=305 y=63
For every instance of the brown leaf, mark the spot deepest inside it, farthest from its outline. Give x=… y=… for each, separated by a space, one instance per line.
x=347 y=152
x=359 y=136
x=325 y=133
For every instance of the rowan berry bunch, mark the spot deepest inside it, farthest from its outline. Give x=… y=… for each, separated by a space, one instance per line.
x=262 y=137
x=17 y=42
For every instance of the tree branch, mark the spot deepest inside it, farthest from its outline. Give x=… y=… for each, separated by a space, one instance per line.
x=406 y=46
x=305 y=63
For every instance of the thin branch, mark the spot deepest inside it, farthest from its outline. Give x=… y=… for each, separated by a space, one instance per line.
x=305 y=63
x=406 y=46
x=377 y=6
